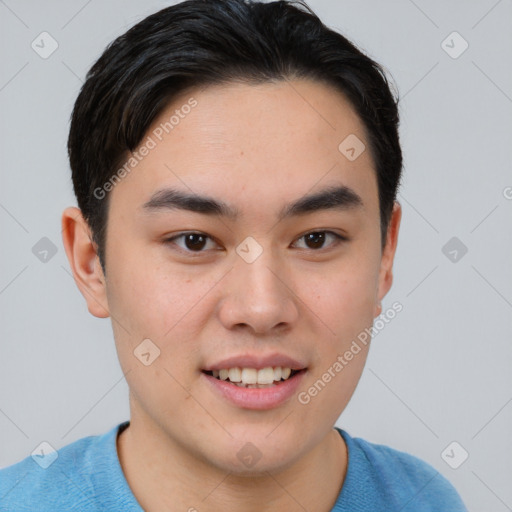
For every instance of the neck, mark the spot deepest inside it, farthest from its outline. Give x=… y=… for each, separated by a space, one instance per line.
x=165 y=476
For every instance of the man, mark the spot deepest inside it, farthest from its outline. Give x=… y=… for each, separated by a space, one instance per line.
x=236 y=167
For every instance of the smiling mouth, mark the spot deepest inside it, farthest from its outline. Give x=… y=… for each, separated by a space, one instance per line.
x=254 y=378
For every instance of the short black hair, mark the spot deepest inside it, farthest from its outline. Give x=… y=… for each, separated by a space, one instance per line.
x=198 y=43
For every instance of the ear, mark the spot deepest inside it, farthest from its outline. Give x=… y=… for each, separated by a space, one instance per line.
x=388 y=256
x=84 y=261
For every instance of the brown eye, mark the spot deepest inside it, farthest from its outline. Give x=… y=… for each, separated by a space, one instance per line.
x=195 y=242
x=191 y=242
x=316 y=239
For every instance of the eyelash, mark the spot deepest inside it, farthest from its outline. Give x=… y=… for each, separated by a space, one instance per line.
x=339 y=239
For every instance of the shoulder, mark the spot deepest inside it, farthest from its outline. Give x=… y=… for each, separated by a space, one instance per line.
x=57 y=480
x=398 y=479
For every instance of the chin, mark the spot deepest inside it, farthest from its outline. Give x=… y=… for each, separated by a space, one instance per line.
x=256 y=454
x=257 y=467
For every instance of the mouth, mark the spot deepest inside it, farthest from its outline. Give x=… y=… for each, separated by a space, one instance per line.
x=255 y=378
x=255 y=381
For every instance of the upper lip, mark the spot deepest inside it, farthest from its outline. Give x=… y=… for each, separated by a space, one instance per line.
x=256 y=361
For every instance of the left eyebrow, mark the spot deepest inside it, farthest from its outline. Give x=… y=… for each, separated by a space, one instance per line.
x=332 y=198
x=335 y=197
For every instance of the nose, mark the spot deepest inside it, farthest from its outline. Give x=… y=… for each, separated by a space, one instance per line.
x=258 y=297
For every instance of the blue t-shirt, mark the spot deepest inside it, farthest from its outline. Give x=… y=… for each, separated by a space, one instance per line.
x=86 y=476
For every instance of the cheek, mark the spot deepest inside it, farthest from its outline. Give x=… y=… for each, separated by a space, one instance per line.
x=342 y=298
x=146 y=303
x=344 y=304
x=148 y=300
x=166 y=306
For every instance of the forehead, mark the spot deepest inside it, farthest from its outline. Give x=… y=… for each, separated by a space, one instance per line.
x=238 y=141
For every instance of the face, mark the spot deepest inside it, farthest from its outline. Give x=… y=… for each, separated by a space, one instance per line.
x=275 y=265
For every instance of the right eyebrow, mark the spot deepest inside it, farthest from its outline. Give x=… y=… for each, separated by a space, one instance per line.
x=174 y=199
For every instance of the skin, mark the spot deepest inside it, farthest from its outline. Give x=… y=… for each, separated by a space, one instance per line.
x=256 y=148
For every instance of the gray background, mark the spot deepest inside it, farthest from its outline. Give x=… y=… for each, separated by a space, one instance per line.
x=439 y=372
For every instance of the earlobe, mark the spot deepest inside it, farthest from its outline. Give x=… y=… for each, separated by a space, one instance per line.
x=388 y=255
x=84 y=262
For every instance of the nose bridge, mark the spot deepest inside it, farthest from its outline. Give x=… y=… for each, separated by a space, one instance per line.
x=258 y=296
x=260 y=279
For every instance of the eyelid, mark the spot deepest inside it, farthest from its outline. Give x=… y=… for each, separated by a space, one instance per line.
x=339 y=239
x=172 y=239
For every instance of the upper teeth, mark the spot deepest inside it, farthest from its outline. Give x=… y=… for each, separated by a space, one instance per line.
x=252 y=376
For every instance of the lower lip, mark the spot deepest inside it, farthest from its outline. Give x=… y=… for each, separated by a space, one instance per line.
x=256 y=398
